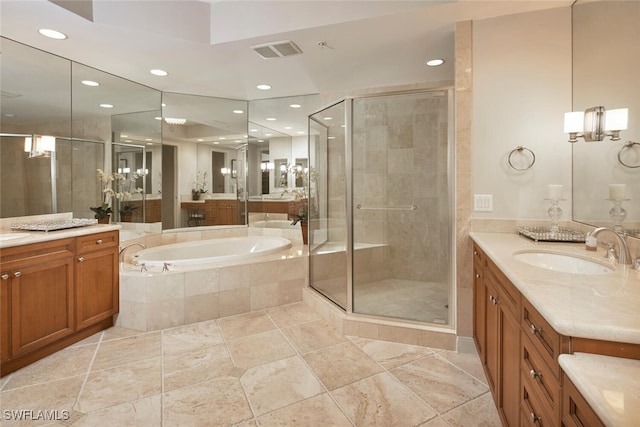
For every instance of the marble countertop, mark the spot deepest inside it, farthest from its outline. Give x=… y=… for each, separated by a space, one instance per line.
x=613 y=393
x=42 y=236
x=587 y=306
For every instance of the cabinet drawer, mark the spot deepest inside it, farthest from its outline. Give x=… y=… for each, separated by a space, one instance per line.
x=92 y=242
x=541 y=378
x=478 y=256
x=576 y=412
x=531 y=409
x=543 y=337
x=508 y=296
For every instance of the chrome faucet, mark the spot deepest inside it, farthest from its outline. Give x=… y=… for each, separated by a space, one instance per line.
x=166 y=266
x=124 y=248
x=625 y=255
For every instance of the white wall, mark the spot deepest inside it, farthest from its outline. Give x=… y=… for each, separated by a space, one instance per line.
x=522 y=87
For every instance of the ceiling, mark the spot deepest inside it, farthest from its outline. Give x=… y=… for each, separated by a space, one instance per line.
x=206 y=46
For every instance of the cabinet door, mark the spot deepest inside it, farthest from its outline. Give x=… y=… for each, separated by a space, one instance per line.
x=226 y=213
x=42 y=306
x=479 y=311
x=509 y=366
x=5 y=315
x=97 y=286
x=492 y=316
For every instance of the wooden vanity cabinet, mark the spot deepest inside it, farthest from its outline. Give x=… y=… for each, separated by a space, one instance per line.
x=50 y=299
x=499 y=338
x=97 y=278
x=226 y=212
x=576 y=412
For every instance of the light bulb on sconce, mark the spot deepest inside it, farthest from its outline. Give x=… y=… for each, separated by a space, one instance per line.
x=40 y=145
x=595 y=124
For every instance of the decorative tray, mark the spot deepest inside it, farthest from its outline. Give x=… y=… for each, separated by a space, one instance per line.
x=52 y=225
x=544 y=234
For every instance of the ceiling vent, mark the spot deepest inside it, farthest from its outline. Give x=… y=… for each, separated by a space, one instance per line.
x=277 y=49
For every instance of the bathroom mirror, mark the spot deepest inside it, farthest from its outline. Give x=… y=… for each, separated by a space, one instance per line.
x=278 y=141
x=606 y=65
x=85 y=109
x=206 y=135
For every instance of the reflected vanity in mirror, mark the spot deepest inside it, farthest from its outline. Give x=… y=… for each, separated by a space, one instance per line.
x=277 y=157
x=206 y=139
x=606 y=64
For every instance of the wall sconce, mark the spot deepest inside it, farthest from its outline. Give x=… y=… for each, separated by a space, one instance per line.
x=595 y=123
x=225 y=171
x=40 y=145
x=267 y=166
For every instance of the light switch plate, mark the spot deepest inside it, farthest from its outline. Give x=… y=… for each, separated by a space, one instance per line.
x=483 y=202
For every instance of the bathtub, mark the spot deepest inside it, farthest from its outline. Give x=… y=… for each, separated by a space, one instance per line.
x=211 y=251
x=283 y=224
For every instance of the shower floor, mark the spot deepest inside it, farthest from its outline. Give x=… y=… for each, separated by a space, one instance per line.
x=396 y=298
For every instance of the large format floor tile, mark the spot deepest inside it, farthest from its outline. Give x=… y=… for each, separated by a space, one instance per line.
x=282 y=366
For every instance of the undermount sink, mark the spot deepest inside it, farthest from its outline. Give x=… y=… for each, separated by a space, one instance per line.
x=12 y=236
x=562 y=262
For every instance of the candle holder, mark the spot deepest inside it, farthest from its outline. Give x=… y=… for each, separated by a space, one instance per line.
x=617 y=213
x=555 y=213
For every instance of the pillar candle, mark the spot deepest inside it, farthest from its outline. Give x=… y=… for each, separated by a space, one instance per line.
x=616 y=191
x=555 y=191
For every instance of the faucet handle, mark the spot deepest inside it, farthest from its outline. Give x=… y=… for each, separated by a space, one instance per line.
x=143 y=267
x=611 y=253
x=166 y=266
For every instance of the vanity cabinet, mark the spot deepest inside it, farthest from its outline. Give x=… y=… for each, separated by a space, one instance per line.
x=226 y=212
x=576 y=412
x=55 y=293
x=497 y=336
x=97 y=278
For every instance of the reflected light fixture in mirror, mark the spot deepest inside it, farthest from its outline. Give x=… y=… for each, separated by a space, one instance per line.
x=40 y=145
x=596 y=123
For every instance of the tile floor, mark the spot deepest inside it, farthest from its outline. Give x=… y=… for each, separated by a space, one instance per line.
x=278 y=367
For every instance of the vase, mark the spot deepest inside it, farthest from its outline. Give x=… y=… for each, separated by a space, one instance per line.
x=304 y=226
x=104 y=220
x=195 y=196
x=126 y=216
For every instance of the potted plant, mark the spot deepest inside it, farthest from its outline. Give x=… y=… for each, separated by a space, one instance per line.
x=302 y=218
x=126 y=212
x=199 y=186
x=103 y=212
x=124 y=185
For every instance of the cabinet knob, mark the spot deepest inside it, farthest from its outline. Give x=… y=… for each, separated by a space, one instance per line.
x=478 y=276
x=493 y=300
x=535 y=374
x=17 y=274
x=99 y=242
x=534 y=418
x=534 y=329
x=81 y=259
x=5 y=276
x=475 y=252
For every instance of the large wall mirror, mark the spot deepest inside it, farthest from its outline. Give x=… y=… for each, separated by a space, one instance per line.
x=606 y=66
x=277 y=158
x=87 y=111
x=206 y=139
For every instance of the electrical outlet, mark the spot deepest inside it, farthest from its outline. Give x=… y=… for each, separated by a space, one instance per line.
x=483 y=202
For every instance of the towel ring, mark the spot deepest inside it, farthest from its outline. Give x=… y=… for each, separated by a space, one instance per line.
x=628 y=144
x=520 y=149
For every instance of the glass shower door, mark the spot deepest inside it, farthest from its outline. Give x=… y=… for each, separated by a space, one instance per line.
x=328 y=256
x=402 y=209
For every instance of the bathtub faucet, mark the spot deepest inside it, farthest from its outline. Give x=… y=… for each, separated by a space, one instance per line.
x=166 y=266
x=124 y=248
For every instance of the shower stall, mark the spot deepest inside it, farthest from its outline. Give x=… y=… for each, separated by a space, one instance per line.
x=381 y=205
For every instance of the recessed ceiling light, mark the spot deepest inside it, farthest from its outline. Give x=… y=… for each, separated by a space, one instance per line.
x=8 y=114
x=222 y=138
x=300 y=132
x=328 y=118
x=158 y=118
x=271 y=119
x=295 y=105
x=148 y=139
x=253 y=130
x=238 y=111
x=264 y=87
x=106 y=105
x=199 y=139
x=267 y=134
x=237 y=140
x=158 y=72
x=342 y=126
x=124 y=136
x=261 y=140
x=288 y=127
x=435 y=62
x=175 y=120
x=90 y=83
x=52 y=34
x=331 y=137
x=128 y=140
x=215 y=143
x=163 y=104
